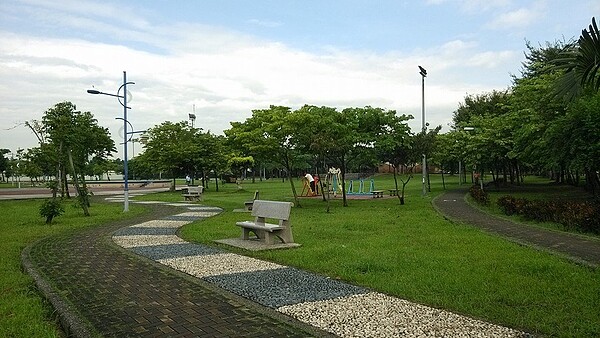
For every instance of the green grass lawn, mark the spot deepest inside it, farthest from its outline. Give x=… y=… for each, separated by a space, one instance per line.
x=408 y=251
x=412 y=252
x=23 y=312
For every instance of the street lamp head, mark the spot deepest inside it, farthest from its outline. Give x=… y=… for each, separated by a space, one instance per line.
x=422 y=71
x=93 y=91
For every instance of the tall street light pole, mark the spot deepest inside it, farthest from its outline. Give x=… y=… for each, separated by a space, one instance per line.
x=423 y=73
x=125 y=134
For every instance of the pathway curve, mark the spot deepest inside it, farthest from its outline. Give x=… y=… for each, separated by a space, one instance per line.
x=579 y=248
x=99 y=288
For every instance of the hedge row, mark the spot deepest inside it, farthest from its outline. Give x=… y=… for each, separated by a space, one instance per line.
x=479 y=195
x=581 y=216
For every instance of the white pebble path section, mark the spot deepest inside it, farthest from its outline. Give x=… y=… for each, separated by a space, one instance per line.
x=132 y=241
x=363 y=315
x=377 y=315
x=159 y=223
x=220 y=264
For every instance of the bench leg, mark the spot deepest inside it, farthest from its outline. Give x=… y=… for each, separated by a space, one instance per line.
x=286 y=236
x=245 y=233
x=259 y=234
x=269 y=238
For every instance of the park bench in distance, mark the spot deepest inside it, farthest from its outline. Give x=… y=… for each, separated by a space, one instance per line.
x=264 y=210
x=193 y=193
x=248 y=204
x=377 y=193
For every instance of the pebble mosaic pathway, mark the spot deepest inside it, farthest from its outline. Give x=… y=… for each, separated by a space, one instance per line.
x=333 y=306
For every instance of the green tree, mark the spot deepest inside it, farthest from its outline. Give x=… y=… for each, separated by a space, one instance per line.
x=485 y=104
x=314 y=135
x=171 y=147
x=395 y=144
x=3 y=162
x=581 y=62
x=76 y=137
x=268 y=133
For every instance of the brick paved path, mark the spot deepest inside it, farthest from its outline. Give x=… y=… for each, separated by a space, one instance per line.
x=106 y=291
x=453 y=205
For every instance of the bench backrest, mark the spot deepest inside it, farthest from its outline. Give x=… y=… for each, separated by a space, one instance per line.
x=272 y=209
x=195 y=190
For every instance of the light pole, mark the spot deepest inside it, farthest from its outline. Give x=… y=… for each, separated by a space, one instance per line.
x=192 y=119
x=125 y=133
x=423 y=73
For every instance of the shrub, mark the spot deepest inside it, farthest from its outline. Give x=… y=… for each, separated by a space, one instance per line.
x=580 y=216
x=479 y=195
x=511 y=205
x=51 y=208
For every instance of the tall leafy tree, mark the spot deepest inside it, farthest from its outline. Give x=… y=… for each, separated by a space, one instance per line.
x=395 y=144
x=3 y=162
x=315 y=134
x=268 y=133
x=171 y=147
x=76 y=137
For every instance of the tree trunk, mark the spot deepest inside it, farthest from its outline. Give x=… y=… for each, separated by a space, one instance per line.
x=343 y=172
x=216 y=181
x=82 y=194
x=65 y=186
x=289 y=175
x=174 y=182
x=84 y=184
x=443 y=180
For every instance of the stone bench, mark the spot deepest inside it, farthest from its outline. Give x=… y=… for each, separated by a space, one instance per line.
x=266 y=232
x=192 y=193
x=377 y=193
x=248 y=204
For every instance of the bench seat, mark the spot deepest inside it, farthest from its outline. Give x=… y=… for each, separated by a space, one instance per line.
x=265 y=231
x=377 y=193
x=193 y=193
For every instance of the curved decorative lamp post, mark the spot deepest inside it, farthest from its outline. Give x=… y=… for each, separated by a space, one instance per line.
x=125 y=133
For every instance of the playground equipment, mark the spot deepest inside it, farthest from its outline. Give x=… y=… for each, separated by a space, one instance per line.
x=306 y=190
x=333 y=180
x=361 y=187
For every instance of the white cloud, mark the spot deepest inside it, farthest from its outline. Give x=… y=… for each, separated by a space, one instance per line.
x=265 y=23
x=224 y=73
x=519 y=18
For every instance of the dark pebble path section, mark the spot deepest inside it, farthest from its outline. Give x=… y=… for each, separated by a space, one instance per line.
x=102 y=290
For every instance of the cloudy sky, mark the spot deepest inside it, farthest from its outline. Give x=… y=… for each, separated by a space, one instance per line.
x=227 y=57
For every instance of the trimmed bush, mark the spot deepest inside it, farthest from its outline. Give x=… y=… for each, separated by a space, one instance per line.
x=51 y=208
x=580 y=216
x=479 y=195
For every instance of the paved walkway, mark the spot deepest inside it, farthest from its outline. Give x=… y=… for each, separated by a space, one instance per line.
x=578 y=248
x=101 y=289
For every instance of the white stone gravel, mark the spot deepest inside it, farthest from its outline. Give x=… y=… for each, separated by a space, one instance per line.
x=360 y=314
x=377 y=315
x=146 y=240
x=181 y=204
x=161 y=223
x=220 y=264
x=198 y=214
